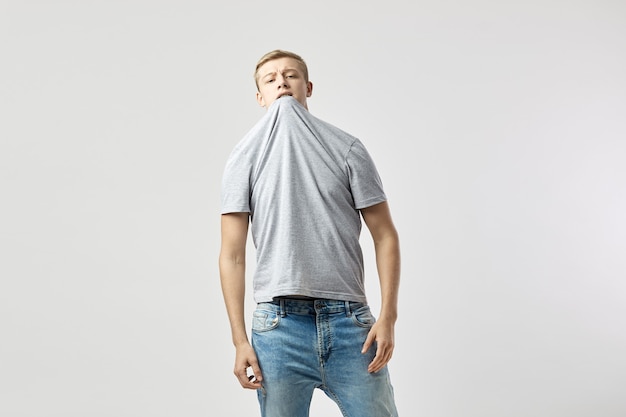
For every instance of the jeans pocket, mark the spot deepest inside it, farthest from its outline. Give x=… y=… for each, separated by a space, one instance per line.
x=363 y=317
x=263 y=321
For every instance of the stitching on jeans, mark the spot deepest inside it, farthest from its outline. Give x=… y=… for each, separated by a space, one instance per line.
x=335 y=398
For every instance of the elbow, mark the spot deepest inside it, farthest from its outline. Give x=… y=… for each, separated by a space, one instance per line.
x=232 y=260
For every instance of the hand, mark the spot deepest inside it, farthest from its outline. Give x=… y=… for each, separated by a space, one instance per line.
x=245 y=358
x=382 y=332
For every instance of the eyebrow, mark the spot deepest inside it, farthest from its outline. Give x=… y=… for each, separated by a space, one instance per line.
x=274 y=72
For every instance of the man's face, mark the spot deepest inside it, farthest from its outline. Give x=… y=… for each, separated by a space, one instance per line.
x=279 y=77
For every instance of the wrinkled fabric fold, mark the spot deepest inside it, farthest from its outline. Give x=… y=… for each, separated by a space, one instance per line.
x=303 y=182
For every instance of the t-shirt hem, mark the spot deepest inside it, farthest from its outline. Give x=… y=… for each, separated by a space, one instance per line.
x=227 y=210
x=371 y=202
x=323 y=295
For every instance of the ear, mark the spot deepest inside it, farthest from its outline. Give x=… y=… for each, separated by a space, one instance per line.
x=259 y=99
x=309 y=89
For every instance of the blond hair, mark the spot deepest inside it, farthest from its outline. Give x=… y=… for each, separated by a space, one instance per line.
x=276 y=54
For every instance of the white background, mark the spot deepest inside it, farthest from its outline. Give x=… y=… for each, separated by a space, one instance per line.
x=498 y=127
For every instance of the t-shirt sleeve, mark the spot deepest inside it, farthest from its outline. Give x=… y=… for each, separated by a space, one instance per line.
x=236 y=185
x=365 y=183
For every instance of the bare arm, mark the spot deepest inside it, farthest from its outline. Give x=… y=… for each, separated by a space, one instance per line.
x=232 y=263
x=387 y=247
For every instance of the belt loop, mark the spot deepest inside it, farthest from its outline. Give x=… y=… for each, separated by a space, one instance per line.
x=282 y=307
x=348 y=311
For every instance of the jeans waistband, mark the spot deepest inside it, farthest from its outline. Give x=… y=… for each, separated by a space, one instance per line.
x=312 y=306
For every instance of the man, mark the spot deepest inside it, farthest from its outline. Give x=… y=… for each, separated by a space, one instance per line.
x=303 y=185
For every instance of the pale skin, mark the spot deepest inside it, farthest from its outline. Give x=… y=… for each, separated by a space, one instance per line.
x=287 y=76
x=282 y=76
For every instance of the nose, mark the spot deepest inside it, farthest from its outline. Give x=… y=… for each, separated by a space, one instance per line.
x=282 y=82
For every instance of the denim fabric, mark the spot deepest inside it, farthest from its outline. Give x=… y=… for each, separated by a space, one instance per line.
x=306 y=344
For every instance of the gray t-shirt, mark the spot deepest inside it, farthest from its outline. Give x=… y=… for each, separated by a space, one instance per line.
x=303 y=181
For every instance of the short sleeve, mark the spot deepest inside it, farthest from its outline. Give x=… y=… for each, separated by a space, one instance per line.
x=236 y=185
x=365 y=183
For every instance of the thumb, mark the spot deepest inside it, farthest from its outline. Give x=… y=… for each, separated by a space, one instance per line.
x=256 y=370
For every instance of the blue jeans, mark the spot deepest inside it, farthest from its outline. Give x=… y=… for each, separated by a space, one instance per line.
x=306 y=344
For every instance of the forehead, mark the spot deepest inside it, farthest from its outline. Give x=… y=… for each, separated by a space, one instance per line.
x=279 y=65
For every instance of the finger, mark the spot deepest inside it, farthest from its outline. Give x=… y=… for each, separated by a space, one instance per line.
x=242 y=376
x=377 y=364
x=247 y=381
x=383 y=356
x=252 y=384
x=368 y=342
